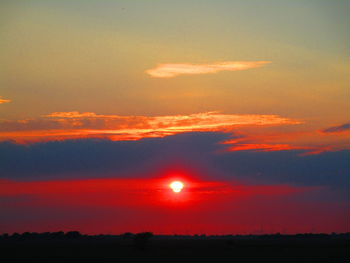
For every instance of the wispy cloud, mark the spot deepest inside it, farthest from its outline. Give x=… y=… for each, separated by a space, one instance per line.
x=78 y=125
x=173 y=70
x=72 y=115
x=264 y=147
x=139 y=188
x=61 y=125
x=4 y=100
x=307 y=142
x=338 y=128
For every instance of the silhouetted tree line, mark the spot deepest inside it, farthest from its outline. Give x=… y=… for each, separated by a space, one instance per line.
x=141 y=239
x=44 y=235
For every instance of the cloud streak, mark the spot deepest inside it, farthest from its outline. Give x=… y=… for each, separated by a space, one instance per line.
x=264 y=147
x=340 y=128
x=4 y=100
x=177 y=69
x=98 y=205
x=67 y=125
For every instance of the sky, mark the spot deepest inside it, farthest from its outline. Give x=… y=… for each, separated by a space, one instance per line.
x=104 y=103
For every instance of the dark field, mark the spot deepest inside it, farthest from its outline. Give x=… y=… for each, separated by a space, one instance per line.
x=270 y=248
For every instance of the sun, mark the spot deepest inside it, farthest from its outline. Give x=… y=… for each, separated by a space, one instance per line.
x=176 y=186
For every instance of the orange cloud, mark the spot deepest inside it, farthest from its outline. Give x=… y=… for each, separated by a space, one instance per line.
x=82 y=115
x=62 y=125
x=311 y=142
x=74 y=125
x=264 y=147
x=72 y=114
x=173 y=70
x=4 y=100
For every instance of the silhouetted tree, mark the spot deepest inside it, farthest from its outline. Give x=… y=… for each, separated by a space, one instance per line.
x=127 y=235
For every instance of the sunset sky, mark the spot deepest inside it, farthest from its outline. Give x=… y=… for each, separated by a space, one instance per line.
x=104 y=103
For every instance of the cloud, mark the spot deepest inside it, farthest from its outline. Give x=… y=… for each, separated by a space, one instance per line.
x=102 y=177
x=4 y=100
x=236 y=145
x=116 y=205
x=201 y=155
x=256 y=132
x=136 y=193
x=73 y=114
x=173 y=70
x=263 y=147
x=83 y=115
x=274 y=139
x=340 y=128
x=68 y=125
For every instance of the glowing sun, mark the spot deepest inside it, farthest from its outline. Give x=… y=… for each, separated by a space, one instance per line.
x=176 y=186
